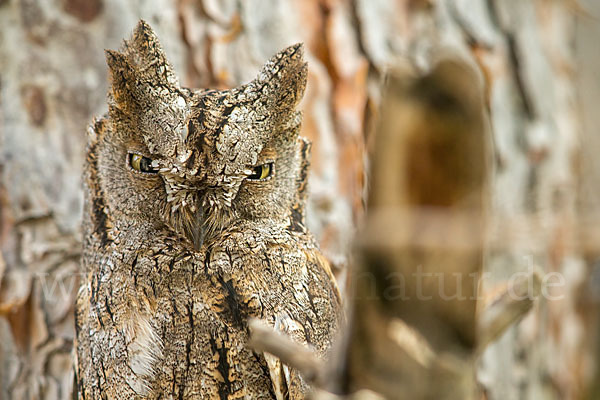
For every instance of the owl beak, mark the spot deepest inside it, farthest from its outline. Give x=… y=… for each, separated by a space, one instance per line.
x=190 y=224
x=198 y=233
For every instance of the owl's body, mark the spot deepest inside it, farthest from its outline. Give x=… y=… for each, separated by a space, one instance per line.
x=194 y=223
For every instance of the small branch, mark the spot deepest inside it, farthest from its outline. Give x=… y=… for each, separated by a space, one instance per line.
x=507 y=309
x=265 y=338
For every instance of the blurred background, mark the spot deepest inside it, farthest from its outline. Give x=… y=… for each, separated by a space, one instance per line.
x=538 y=60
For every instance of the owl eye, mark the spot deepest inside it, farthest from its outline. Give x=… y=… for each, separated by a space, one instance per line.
x=261 y=172
x=142 y=164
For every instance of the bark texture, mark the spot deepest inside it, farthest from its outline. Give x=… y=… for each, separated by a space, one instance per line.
x=534 y=57
x=420 y=255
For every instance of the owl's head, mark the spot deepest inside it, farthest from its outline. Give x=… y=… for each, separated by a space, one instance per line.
x=196 y=161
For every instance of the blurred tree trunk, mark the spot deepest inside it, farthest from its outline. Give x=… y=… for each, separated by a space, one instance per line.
x=53 y=80
x=588 y=86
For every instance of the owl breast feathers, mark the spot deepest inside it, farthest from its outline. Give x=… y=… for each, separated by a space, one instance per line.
x=193 y=224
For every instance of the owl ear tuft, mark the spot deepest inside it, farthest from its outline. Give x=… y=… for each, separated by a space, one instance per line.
x=283 y=79
x=140 y=65
x=122 y=78
x=146 y=52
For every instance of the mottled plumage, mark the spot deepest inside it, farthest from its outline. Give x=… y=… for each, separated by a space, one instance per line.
x=184 y=242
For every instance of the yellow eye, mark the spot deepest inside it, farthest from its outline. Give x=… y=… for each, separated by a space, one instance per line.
x=261 y=172
x=142 y=164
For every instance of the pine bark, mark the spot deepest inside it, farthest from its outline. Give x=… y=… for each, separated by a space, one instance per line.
x=53 y=79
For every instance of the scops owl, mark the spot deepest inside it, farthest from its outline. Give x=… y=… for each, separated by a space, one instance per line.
x=193 y=224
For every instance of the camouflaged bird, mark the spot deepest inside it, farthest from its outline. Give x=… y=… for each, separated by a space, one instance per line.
x=194 y=223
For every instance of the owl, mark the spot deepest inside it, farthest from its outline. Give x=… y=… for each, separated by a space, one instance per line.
x=193 y=225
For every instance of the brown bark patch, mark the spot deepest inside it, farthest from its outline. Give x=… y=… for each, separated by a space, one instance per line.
x=83 y=10
x=35 y=103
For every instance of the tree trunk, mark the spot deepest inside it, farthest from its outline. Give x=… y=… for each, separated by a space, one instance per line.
x=53 y=79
